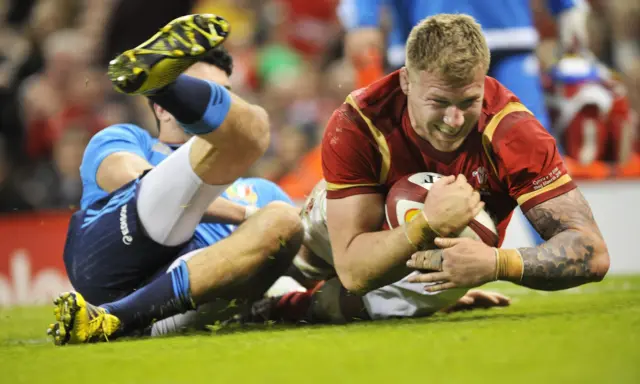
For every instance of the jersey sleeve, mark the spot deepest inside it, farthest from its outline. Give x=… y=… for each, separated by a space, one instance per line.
x=350 y=160
x=529 y=162
x=116 y=138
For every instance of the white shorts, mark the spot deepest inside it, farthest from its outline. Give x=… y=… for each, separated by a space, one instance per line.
x=405 y=299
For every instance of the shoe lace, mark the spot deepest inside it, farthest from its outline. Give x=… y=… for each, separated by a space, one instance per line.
x=99 y=325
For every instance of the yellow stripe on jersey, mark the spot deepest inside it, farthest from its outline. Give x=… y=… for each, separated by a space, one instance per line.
x=338 y=187
x=383 y=147
x=490 y=129
x=558 y=183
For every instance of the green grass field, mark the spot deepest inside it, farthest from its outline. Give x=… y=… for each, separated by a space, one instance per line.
x=589 y=334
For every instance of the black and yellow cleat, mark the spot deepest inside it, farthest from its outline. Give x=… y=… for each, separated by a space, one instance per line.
x=79 y=322
x=158 y=61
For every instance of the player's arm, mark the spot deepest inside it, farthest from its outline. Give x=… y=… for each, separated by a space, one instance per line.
x=119 y=160
x=365 y=257
x=525 y=157
x=574 y=252
x=119 y=168
x=115 y=156
x=225 y=211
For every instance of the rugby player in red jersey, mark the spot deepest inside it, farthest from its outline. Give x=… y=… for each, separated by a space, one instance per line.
x=441 y=113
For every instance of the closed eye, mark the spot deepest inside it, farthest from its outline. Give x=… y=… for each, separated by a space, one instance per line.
x=442 y=103
x=468 y=102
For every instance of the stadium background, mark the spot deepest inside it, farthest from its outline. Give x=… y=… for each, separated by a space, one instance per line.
x=288 y=57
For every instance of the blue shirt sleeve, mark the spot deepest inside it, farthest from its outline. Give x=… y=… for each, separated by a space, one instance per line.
x=116 y=138
x=359 y=13
x=559 y=6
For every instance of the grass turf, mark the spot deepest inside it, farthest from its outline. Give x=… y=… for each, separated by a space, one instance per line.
x=590 y=334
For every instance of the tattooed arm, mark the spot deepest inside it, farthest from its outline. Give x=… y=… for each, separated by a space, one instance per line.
x=574 y=252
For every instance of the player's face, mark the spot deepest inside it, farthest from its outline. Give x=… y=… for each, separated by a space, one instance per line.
x=441 y=113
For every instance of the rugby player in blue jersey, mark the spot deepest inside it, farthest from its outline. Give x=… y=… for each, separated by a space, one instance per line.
x=139 y=250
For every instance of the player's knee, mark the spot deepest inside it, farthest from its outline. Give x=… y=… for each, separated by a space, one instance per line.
x=285 y=218
x=283 y=228
x=259 y=134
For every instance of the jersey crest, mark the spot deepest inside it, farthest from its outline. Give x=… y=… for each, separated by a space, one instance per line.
x=243 y=192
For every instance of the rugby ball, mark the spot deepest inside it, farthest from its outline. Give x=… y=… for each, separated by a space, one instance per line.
x=406 y=198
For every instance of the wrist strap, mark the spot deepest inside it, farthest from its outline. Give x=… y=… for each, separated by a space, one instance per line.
x=509 y=265
x=419 y=233
x=250 y=210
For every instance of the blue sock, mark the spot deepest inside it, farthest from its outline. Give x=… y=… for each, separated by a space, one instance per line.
x=164 y=297
x=199 y=105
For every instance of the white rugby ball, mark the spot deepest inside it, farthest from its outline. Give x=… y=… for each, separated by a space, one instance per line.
x=406 y=198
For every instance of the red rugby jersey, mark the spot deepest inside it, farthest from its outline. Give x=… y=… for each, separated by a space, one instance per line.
x=509 y=157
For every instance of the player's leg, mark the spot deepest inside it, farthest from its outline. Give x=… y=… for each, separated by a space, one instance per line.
x=242 y=266
x=327 y=302
x=249 y=191
x=231 y=134
x=301 y=276
x=107 y=252
x=223 y=308
x=164 y=207
x=229 y=128
x=330 y=302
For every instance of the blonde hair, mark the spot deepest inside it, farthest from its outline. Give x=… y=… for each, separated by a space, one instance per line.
x=451 y=45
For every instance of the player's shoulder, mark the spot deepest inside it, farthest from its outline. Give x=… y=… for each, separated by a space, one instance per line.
x=118 y=137
x=377 y=107
x=503 y=114
x=496 y=96
x=382 y=102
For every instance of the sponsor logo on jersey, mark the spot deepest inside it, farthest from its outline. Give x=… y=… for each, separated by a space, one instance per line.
x=124 y=226
x=481 y=180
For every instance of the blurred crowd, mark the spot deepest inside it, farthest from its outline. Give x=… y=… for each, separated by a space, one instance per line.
x=288 y=57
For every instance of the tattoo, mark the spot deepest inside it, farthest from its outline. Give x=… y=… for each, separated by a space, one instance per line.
x=573 y=243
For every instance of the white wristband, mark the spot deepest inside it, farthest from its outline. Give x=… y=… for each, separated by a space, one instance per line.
x=250 y=210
